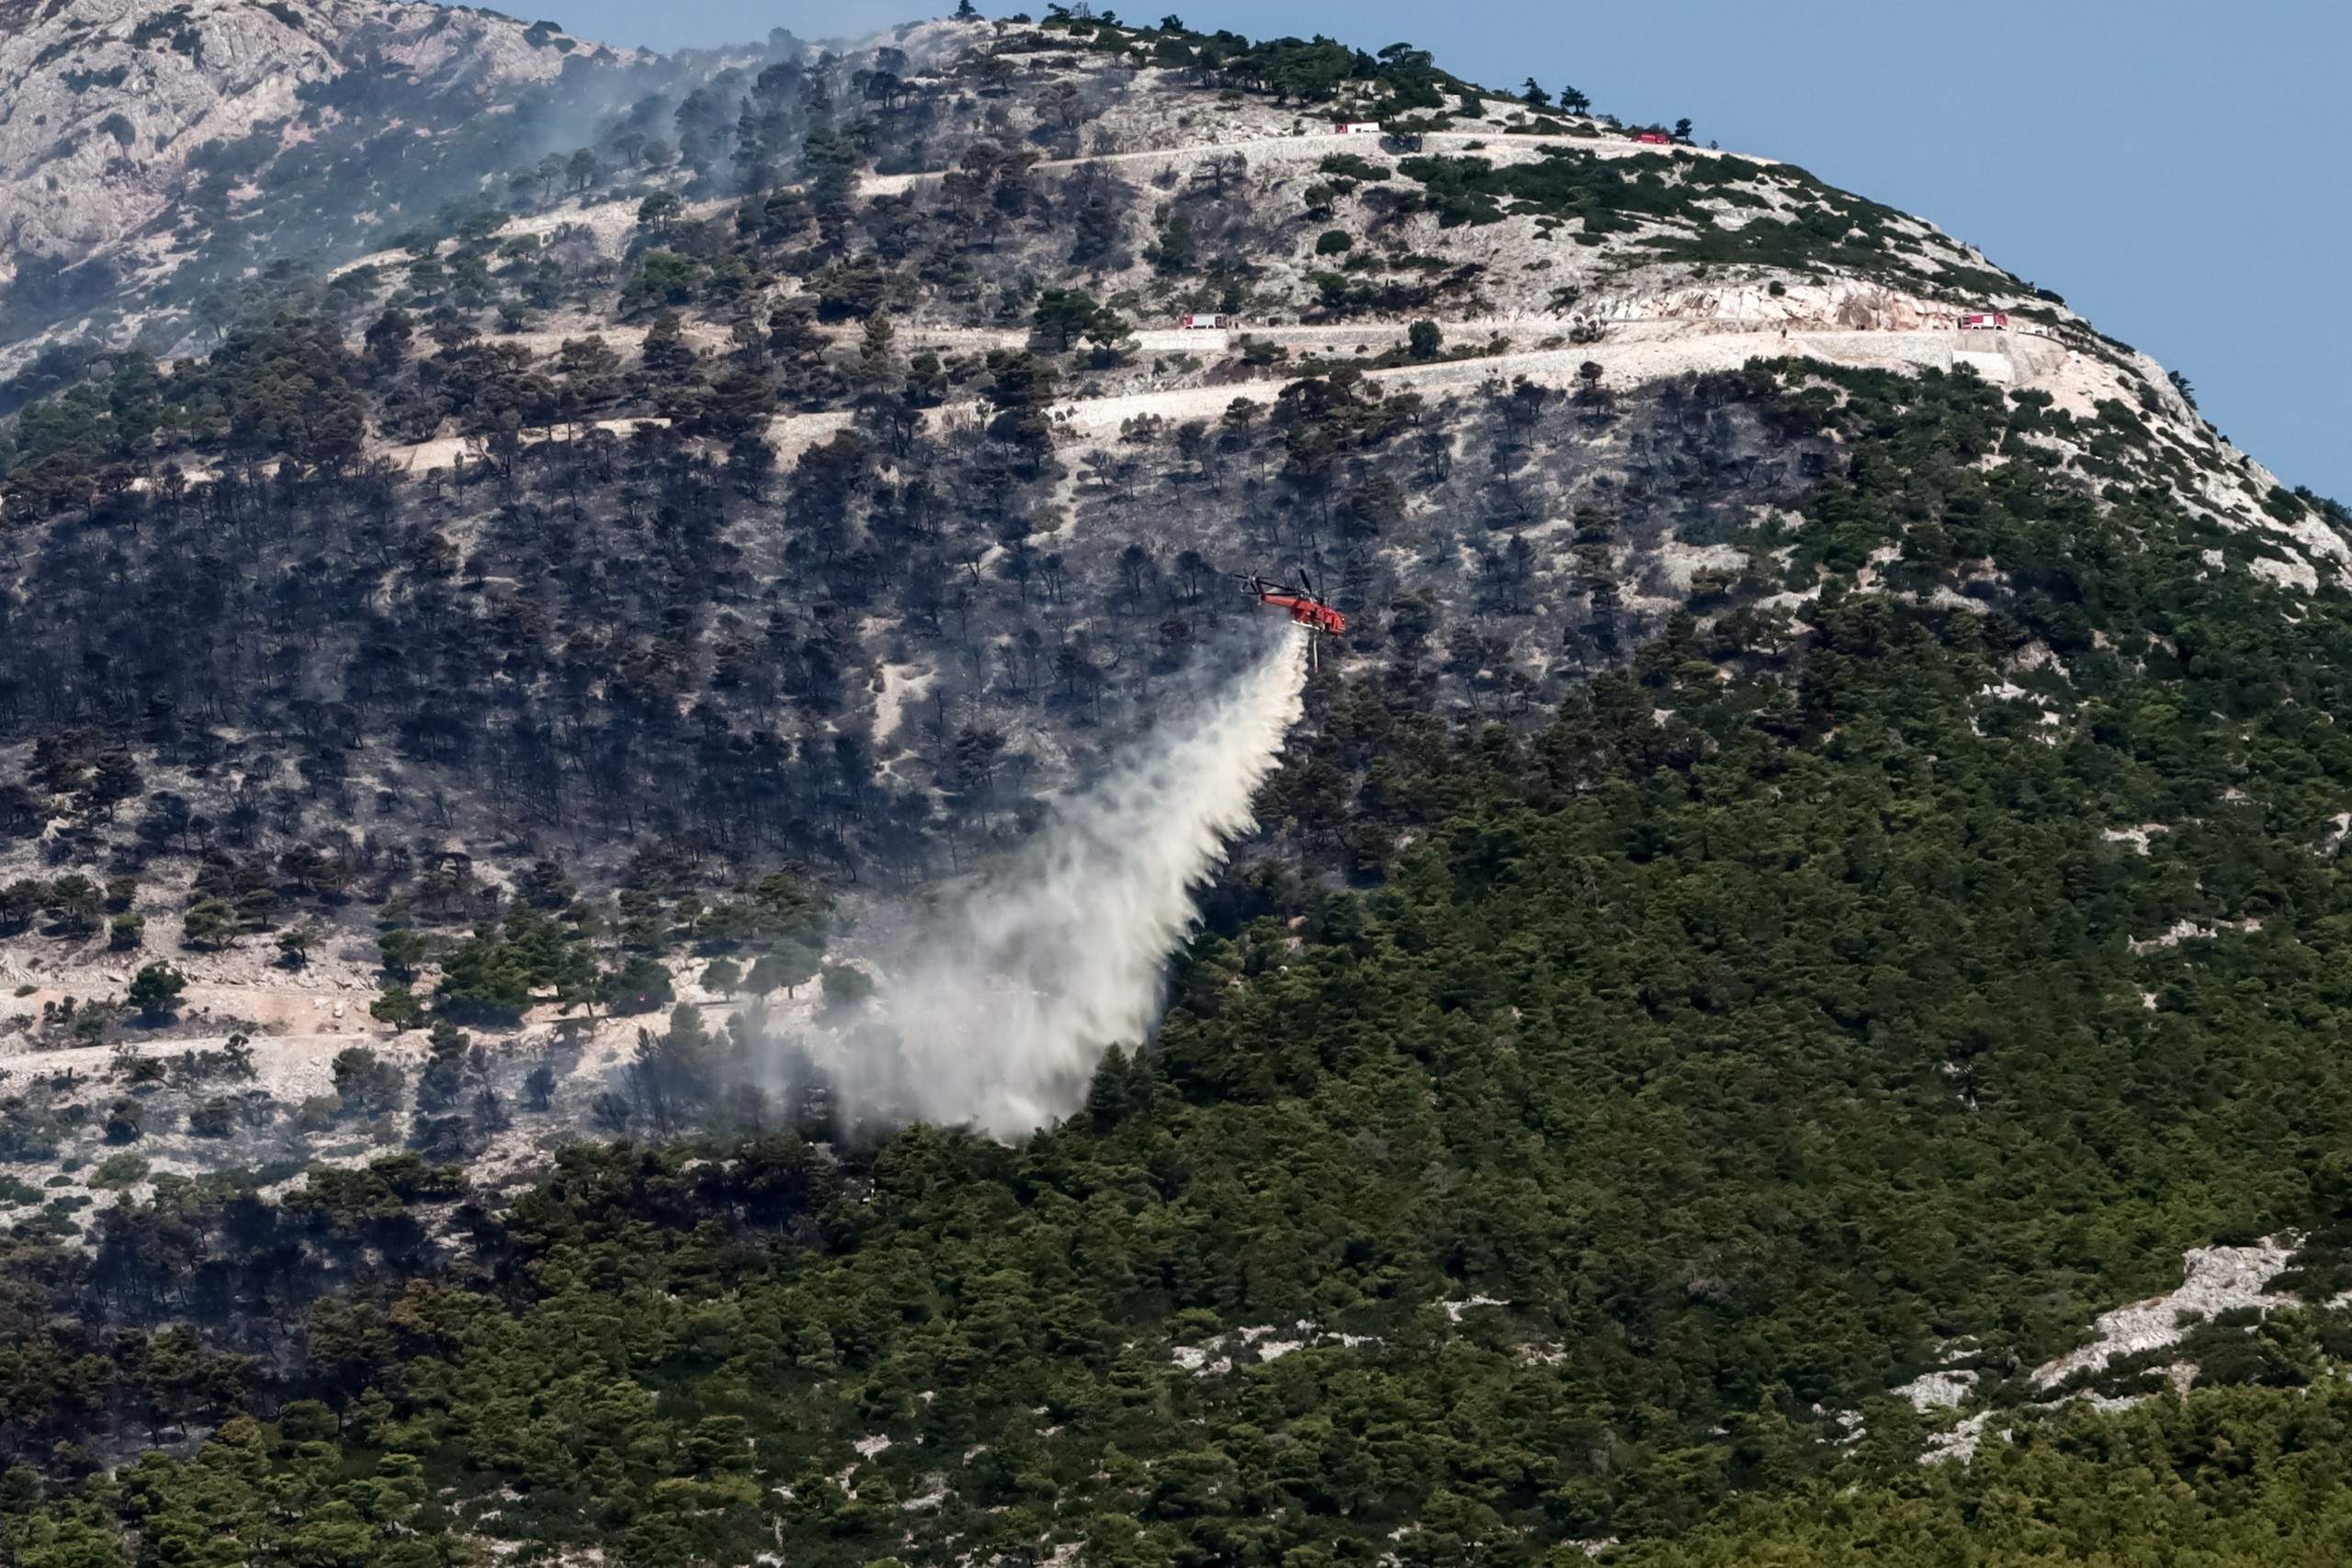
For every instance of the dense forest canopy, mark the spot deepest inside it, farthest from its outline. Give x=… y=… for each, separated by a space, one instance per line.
x=1715 y=1053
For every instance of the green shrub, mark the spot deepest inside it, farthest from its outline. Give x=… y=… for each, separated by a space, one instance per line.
x=643 y=984
x=402 y=952
x=787 y=967
x=847 y=985
x=211 y=923
x=125 y=1119
x=398 y=1007
x=662 y=277
x=119 y=1170
x=1353 y=167
x=365 y=1084
x=155 y=989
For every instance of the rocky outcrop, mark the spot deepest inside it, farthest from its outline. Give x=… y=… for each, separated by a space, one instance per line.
x=106 y=100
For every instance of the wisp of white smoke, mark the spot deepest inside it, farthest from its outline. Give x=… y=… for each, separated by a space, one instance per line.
x=1003 y=1006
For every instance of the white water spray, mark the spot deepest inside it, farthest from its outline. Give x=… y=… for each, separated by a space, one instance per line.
x=1004 y=1006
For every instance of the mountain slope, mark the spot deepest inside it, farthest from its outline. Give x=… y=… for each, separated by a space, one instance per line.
x=1813 y=876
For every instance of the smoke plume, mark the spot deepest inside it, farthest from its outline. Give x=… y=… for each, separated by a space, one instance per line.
x=997 y=1010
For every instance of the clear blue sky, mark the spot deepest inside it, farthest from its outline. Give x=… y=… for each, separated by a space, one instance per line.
x=2180 y=170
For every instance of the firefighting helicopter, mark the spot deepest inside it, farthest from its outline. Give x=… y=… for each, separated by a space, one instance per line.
x=1306 y=607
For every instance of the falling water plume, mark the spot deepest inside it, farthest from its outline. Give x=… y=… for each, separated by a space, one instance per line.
x=1001 y=1007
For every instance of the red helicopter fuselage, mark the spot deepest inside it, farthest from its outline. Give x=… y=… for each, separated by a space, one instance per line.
x=1308 y=612
x=1303 y=605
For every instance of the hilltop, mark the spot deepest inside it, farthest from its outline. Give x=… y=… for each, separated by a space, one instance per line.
x=927 y=297
x=1811 y=882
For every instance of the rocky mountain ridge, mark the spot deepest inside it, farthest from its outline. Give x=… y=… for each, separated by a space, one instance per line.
x=116 y=109
x=926 y=299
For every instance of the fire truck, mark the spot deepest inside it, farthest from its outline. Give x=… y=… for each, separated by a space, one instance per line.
x=1985 y=322
x=1655 y=138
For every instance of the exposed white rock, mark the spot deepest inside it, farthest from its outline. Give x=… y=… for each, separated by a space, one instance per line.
x=2334 y=841
x=1215 y=1356
x=1937 y=1391
x=107 y=99
x=2294 y=572
x=2219 y=1279
x=2184 y=929
x=1958 y=1444
x=1454 y=1310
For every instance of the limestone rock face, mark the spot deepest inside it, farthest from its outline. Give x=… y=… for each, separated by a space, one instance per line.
x=106 y=101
